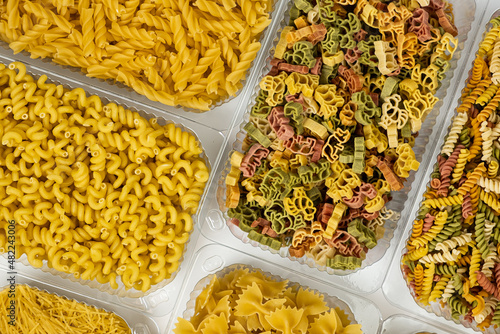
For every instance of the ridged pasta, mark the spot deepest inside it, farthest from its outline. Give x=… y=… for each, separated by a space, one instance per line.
x=100 y=192
x=452 y=138
x=110 y=39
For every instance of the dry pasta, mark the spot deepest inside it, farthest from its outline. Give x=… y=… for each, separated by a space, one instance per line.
x=245 y=300
x=40 y=312
x=95 y=190
x=191 y=54
x=333 y=128
x=463 y=256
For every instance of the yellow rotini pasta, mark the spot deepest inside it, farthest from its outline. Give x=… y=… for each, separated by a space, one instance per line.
x=98 y=191
x=178 y=53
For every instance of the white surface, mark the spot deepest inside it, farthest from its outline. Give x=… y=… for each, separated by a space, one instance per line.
x=387 y=309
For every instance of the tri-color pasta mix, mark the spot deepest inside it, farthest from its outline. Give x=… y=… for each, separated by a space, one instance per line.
x=451 y=257
x=188 y=53
x=94 y=189
x=40 y=312
x=332 y=129
x=245 y=300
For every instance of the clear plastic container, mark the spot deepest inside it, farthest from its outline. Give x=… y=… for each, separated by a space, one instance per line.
x=138 y=322
x=374 y=266
x=208 y=139
x=215 y=259
x=403 y=324
x=219 y=117
x=394 y=287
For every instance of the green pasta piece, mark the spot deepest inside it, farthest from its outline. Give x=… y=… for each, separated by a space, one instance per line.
x=280 y=220
x=277 y=184
x=330 y=44
x=246 y=213
x=294 y=111
x=255 y=134
x=347 y=155
x=315 y=171
x=327 y=14
x=315 y=195
x=362 y=233
x=344 y=262
x=367 y=109
x=391 y=85
x=359 y=155
x=265 y=240
x=452 y=226
x=406 y=130
x=496 y=315
x=457 y=305
x=445 y=269
x=303 y=5
x=348 y=28
x=303 y=54
x=294 y=14
x=481 y=243
x=261 y=108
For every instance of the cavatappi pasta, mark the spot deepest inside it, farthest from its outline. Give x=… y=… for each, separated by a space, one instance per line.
x=95 y=189
x=245 y=300
x=40 y=312
x=192 y=54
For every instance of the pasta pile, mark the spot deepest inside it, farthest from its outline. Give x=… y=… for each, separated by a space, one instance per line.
x=246 y=301
x=452 y=254
x=332 y=130
x=96 y=190
x=40 y=312
x=187 y=53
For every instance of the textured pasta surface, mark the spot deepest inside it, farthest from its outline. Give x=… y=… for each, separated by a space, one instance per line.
x=332 y=132
x=245 y=300
x=94 y=189
x=192 y=54
x=462 y=257
x=40 y=312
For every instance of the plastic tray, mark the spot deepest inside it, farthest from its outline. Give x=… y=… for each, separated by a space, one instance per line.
x=216 y=228
x=402 y=324
x=209 y=141
x=212 y=258
x=219 y=118
x=394 y=286
x=138 y=322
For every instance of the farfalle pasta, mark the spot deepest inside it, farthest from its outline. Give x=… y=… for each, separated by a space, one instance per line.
x=95 y=190
x=332 y=131
x=40 y=312
x=245 y=300
x=452 y=253
x=192 y=54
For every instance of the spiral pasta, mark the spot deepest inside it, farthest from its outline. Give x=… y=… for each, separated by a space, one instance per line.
x=97 y=190
x=467 y=256
x=180 y=54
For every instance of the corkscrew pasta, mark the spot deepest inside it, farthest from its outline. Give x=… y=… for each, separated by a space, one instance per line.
x=463 y=257
x=40 y=312
x=180 y=53
x=95 y=190
x=332 y=130
x=244 y=299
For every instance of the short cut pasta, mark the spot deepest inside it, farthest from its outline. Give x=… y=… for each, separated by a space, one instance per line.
x=191 y=54
x=95 y=190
